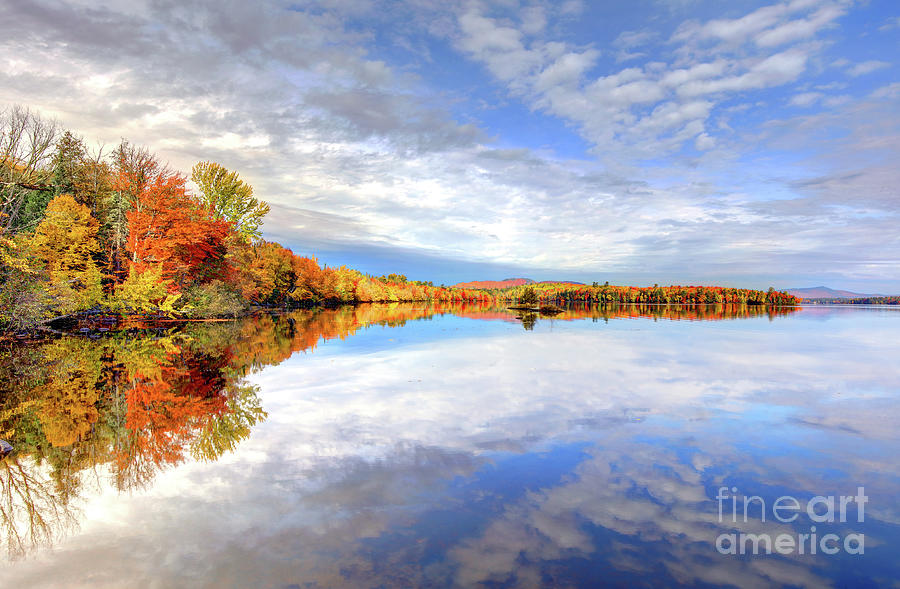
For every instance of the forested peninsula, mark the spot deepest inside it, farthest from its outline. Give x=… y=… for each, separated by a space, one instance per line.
x=86 y=231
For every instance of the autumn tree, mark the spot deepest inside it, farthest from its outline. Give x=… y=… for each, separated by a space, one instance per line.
x=529 y=297
x=68 y=399
x=265 y=271
x=22 y=297
x=144 y=292
x=394 y=278
x=222 y=431
x=312 y=283
x=167 y=228
x=66 y=242
x=230 y=198
x=133 y=169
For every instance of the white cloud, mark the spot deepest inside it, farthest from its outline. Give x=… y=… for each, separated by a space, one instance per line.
x=566 y=71
x=890 y=24
x=704 y=142
x=774 y=70
x=806 y=99
x=800 y=29
x=632 y=39
x=610 y=108
x=534 y=20
x=889 y=91
x=867 y=67
x=701 y=71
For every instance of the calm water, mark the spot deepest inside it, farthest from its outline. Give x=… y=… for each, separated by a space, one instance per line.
x=415 y=446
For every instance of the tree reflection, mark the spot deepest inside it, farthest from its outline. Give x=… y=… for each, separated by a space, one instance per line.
x=31 y=513
x=528 y=320
x=133 y=405
x=223 y=431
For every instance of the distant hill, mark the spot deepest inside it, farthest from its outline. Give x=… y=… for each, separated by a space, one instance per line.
x=509 y=282
x=823 y=292
x=505 y=283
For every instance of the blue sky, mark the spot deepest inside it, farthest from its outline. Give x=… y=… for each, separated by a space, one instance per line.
x=670 y=141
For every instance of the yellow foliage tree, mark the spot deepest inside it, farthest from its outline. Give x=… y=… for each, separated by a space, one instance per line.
x=144 y=292
x=12 y=258
x=23 y=299
x=70 y=395
x=65 y=242
x=230 y=198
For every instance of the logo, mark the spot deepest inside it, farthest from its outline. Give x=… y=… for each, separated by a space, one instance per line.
x=788 y=509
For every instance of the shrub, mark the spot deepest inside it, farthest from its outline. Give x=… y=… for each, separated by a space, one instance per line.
x=212 y=299
x=23 y=300
x=144 y=292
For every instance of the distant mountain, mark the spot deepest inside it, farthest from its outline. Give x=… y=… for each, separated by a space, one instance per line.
x=509 y=282
x=823 y=292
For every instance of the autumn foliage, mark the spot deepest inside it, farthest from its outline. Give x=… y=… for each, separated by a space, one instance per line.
x=568 y=293
x=168 y=228
x=123 y=232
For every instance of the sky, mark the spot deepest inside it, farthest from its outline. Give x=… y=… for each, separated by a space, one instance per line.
x=651 y=141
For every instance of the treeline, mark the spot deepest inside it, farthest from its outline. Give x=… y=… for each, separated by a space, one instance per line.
x=889 y=300
x=81 y=229
x=563 y=293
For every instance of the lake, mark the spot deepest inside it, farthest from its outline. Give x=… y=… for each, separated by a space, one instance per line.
x=460 y=446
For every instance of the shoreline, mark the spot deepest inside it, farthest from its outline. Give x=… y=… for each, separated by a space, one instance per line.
x=97 y=324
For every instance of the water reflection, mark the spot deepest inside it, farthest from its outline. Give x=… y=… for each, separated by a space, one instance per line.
x=137 y=401
x=573 y=454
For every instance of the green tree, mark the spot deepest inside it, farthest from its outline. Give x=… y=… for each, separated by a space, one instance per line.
x=69 y=162
x=230 y=198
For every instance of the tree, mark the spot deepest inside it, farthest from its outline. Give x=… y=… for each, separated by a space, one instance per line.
x=230 y=198
x=26 y=149
x=167 y=228
x=134 y=168
x=69 y=162
x=68 y=398
x=312 y=283
x=66 y=242
x=222 y=431
x=394 y=278
x=264 y=271
x=22 y=297
x=144 y=292
x=529 y=297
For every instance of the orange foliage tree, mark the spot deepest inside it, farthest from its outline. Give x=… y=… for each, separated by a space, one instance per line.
x=264 y=272
x=168 y=228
